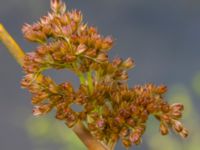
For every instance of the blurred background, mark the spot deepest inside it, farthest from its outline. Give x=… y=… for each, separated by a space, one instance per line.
x=162 y=36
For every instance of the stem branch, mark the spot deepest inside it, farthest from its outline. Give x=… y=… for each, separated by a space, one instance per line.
x=11 y=45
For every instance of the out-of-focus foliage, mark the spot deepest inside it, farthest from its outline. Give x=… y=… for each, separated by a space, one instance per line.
x=196 y=84
x=46 y=130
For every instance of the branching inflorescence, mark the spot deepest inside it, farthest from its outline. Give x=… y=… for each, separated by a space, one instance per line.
x=111 y=110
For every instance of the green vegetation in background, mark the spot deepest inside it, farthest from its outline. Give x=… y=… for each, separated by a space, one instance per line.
x=196 y=84
x=45 y=130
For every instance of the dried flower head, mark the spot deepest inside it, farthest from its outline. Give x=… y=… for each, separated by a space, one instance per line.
x=111 y=110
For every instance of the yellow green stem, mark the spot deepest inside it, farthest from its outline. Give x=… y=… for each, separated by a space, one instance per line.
x=81 y=78
x=90 y=81
x=11 y=45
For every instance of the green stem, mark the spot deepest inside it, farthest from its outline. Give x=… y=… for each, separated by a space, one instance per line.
x=14 y=49
x=90 y=81
x=81 y=78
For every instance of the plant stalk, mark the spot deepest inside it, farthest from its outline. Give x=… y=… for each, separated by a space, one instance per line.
x=11 y=45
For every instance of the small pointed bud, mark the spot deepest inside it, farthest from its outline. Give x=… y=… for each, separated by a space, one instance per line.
x=67 y=30
x=53 y=89
x=76 y=16
x=83 y=27
x=44 y=20
x=37 y=60
x=37 y=111
x=81 y=49
x=164 y=129
x=165 y=108
x=177 y=107
x=165 y=118
x=41 y=110
x=184 y=133
x=100 y=123
x=116 y=62
x=102 y=57
x=150 y=108
x=25 y=28
x=70 y=58
x=107 y=43
x=70 y=124
x=178 y=127
x=41 y=50
x=35 y=36
x=91 y=53
x=126 y=143
x=121 y=75
x=114 y=138
x=161 y=89
x=124 y=132
x=39 y=97
x=68 y=87
x=26 y=80
x=135 y=138
x=128 y=64
x=131 y=122
x=176 y=114
x=91 y=127
x=58 y=6
x=60 y=116
x=57 y=56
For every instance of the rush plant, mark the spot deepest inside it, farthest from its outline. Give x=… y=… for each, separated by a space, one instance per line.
x=111 y=110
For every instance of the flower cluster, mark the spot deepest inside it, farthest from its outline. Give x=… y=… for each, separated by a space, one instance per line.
x=111 y=110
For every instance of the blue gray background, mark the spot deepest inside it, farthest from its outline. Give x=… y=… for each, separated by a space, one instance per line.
x=163 y=36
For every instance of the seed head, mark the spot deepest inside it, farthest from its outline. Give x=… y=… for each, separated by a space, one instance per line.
x=110 y=109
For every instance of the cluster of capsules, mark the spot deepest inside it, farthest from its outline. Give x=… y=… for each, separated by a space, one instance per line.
x=110 y=109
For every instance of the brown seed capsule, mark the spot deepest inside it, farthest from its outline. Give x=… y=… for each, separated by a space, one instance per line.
x=91 y=53
x=124 y=132
x=177 y=126
x=81 y=49
x=134 y=137
x=68 y=87
x=131 y=122
x=41 y=110
x=165 y=118
x=121 y=75
x=58 y=6
x=35 y=36
x=127 y=64
x=70 y=58
x=184 y=133
x=160 y=89
x=163 y=129
x=177 y=107
x=165 y=108
x=116 y=62
x=102 y=57
x=126 y=143
x=53 y=89
x=107 y=43
x=37 y=111
x=176 y=114
x=60 y=116
x=114 y=137
x=100 y=123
